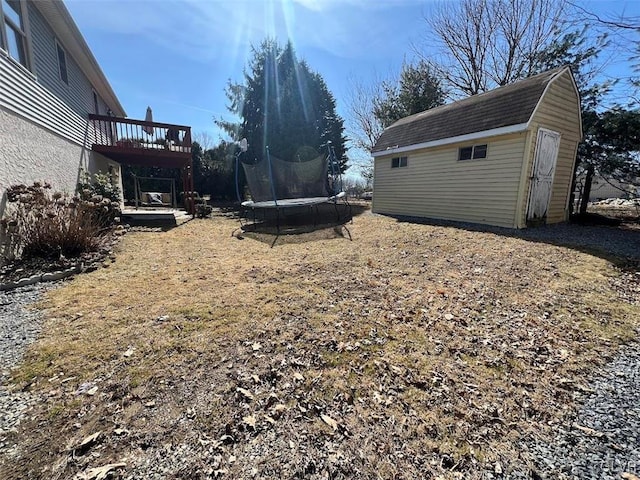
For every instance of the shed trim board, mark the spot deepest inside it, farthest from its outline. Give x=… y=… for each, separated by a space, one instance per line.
x=494 y=132
x=553 y=80
x=495 y=190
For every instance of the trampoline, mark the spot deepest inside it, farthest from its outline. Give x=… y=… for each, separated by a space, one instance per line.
x=279 y=188
x=293 y=202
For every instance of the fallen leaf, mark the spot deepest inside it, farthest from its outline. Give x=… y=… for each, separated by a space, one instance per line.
x=298 y=376
x=99 y=473
x=629 y=476
x=329 y=421
x=92 y=391
x=91 y=439
x=249 y=420
x=246 y=393
x=588 y=431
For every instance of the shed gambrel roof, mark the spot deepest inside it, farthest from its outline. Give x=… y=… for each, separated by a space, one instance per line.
x=501 y=108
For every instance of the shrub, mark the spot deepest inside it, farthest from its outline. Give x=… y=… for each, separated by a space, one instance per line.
x=203 y=210
x=49 y=224
x=101 y=197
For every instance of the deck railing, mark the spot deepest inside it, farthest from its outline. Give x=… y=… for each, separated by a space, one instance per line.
x=129 y=134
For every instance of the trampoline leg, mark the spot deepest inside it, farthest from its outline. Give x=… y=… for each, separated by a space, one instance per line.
x=348 y=207
x=348 y=232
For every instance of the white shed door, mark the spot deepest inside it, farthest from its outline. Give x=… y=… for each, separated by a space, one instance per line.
x=544 y=166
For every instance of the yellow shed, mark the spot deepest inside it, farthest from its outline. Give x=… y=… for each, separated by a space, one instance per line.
x=504 y=157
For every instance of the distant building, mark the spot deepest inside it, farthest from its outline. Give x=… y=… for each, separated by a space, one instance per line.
x=602 y=188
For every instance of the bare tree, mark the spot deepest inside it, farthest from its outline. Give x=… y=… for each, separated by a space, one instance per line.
x=618 y=21
x=363 y=128
x=623 y=30
x=489 y=43
x=205 y=140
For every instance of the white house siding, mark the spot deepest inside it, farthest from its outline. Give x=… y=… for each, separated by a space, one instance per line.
x=41 y=138
x=436 y=185
x=559 y=111
x=22 y=95
x=78 y=94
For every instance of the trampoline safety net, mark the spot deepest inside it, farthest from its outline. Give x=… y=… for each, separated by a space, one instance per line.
x=302 y=178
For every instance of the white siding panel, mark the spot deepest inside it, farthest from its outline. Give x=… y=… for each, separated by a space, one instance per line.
x=436 y=185
x=19 y=93
x=78 y=93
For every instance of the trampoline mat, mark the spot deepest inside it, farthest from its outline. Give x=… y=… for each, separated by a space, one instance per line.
x=292 y=202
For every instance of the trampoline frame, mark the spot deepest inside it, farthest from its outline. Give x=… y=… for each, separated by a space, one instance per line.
x=290 y=203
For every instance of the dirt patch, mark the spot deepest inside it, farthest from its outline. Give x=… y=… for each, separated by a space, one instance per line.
x=412 y=351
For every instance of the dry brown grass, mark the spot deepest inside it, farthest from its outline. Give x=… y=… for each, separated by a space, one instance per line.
x=433 y=348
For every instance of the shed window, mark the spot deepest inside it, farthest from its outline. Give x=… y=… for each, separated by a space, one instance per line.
x=62 y=64
x=397 y=162
x=473 y=152
x=12 y=31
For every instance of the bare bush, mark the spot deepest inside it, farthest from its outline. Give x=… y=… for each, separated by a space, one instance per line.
x=49 y=224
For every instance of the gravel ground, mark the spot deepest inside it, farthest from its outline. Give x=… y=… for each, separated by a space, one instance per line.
x=602 y=440
x=19 y=326
x=619 y=242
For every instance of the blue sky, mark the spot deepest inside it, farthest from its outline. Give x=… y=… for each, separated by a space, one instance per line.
x=177 y=56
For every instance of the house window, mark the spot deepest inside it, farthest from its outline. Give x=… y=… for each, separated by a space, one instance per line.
x=96 y=105
x=62 y=64
x=397 y=162
x=473 y=152
x=12 y=36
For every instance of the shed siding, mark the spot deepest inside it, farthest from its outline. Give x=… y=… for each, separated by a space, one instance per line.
x=436 y=185
x=559 y=110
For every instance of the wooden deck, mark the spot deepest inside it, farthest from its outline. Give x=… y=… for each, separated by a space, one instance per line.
x=137 y=142
x=142 y=143
x=155 y=217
